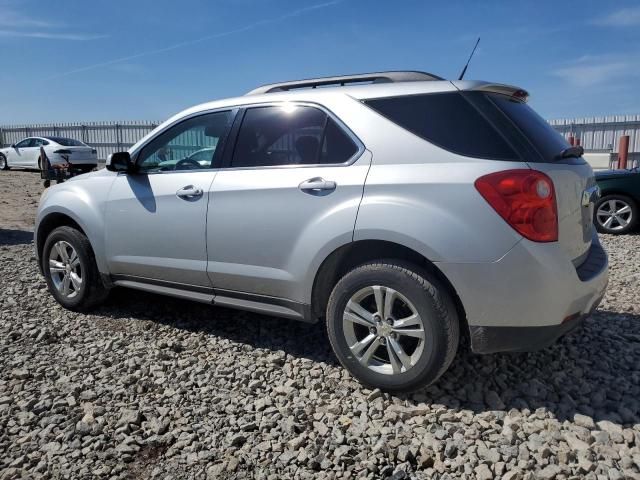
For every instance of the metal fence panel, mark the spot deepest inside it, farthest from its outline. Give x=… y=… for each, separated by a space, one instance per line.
x=595 y=133
x=105 y=137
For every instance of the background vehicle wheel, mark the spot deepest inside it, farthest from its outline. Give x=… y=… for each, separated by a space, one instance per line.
x=615 y=214
x=70 y=270
x=392 y=325
x=4 y=165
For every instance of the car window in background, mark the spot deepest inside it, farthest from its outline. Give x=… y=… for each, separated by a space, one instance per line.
x=172 y=149
x=290 y=135
x=26 y=143
x=67 y=142
x=447 y=120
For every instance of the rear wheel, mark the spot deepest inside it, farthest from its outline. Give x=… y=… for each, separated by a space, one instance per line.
x=392 y=325
x=70 y=270
x=4 y=165
x=616 y=214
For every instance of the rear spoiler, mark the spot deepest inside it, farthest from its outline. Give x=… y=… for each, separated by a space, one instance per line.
x=500 y=88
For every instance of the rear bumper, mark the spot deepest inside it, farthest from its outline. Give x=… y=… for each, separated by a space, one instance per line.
x=530 y=297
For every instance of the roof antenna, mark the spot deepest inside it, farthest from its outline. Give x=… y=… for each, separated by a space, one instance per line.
x=464 y=70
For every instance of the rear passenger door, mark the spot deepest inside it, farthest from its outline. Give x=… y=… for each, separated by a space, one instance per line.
x=287 y=195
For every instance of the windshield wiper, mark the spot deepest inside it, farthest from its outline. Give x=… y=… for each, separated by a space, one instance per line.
x=571 y=152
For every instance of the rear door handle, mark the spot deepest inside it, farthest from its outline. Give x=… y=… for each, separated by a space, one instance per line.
x=189 y=192
x=317 y=185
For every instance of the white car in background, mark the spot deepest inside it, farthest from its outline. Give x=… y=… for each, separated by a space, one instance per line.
x=59 y=150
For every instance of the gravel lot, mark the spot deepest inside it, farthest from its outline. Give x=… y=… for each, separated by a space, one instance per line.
x=151 y=387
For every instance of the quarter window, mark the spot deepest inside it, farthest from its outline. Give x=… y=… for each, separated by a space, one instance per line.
x=447 y=120
x=193 y=144
x=290 y=135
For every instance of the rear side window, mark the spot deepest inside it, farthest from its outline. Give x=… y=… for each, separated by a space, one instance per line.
x=290 y=135
x=447 y=120
x=544 y=138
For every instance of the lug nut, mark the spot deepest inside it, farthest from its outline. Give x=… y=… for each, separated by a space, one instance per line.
x=390 y=321
x=373 y=330
x=383 y=341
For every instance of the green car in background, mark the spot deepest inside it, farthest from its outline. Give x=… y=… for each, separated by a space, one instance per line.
x=618 y=209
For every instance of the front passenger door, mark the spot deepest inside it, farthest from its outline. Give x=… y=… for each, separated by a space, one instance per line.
x=20 y=153
x=155 y=225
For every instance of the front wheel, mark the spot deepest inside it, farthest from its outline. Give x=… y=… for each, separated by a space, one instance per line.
x=392 y=325
x=616 y=214
x=4 y=165
x=70 y=270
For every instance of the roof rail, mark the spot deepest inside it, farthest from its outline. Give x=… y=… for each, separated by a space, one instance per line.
x=377 y=77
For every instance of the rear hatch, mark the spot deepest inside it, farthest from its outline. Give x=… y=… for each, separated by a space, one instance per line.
x=81 y=154
x=549 y=152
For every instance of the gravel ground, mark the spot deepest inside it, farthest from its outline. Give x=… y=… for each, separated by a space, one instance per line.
x=152 y=387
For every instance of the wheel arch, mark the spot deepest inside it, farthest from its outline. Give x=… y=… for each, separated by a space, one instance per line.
x=616 y=191
x=49 y=223
x=350 y=255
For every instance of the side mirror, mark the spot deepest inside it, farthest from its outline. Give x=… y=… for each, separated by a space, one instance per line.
x=120 y=162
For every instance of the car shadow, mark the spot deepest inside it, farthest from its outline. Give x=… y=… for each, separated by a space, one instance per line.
x=592 y=371
x=15 y=237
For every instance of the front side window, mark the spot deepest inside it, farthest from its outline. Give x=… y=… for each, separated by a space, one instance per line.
x=290 y=135
x=27 y=142
x=195 y=143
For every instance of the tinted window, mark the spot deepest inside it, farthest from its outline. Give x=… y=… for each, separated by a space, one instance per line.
x=543 y=137
x=290 y=135
x=67 y=142
x=192 y=144
x=446 y=120
x=24 y=143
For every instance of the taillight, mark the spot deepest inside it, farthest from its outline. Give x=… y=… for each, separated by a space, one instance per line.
x=63 y=152
x=93 y=150
x=526 y=200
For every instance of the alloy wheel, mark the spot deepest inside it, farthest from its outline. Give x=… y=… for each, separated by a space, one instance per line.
x=383 y=330
x=614 y=215
x=65 y=269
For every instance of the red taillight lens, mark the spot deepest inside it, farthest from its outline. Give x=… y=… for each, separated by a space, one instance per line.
x=525 y=199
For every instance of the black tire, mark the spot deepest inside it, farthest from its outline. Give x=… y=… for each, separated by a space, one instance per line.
x=92 y=291
x=4 y=164
x=615 y=228
x=431 y=300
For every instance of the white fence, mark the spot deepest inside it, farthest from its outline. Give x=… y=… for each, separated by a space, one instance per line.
x=106 y=137
x=596 y=134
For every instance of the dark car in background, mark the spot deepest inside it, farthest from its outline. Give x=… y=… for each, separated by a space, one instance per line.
x=619 y=205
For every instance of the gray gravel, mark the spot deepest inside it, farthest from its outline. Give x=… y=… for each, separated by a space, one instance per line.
x=151 y=387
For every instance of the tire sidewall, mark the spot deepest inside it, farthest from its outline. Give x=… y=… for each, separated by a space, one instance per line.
x=70 y=236
x=4 y=165
x=428 y=366
x=634 y=214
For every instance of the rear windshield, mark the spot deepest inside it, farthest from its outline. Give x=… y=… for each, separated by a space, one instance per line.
x=67 y=142
x=447 y=120
x=544 y=138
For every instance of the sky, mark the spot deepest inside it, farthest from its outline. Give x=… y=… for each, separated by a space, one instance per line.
x=79 y=60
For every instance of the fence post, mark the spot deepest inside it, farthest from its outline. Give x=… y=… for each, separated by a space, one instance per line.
x=1 y=137
x=118 y=139
x=84 y=133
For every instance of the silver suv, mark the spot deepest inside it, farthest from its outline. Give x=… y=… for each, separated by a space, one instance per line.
x=401 y=209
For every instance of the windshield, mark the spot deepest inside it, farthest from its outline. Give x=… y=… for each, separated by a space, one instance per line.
x=67 y=142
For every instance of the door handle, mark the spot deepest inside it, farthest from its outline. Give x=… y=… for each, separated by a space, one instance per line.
x=317 y=185
x=189 y=192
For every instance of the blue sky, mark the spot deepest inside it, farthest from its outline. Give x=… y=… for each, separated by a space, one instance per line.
x=73 y=60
